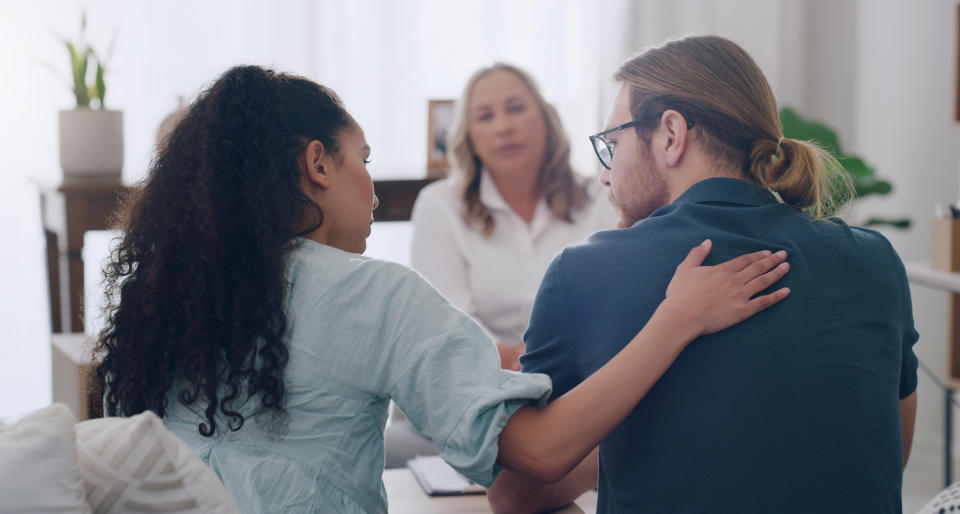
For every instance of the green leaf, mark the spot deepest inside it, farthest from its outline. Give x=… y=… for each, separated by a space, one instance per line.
x=902 y=223
x=796 y=127
x=856 y=167
x=864 y=179
x=101 y=89
x=78 y=66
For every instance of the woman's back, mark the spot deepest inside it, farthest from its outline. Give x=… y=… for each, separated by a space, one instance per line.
x=361 y=332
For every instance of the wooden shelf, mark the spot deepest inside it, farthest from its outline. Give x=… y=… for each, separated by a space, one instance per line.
x=921 y=273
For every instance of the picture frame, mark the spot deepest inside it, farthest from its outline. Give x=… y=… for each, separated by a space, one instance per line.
x=439 y=120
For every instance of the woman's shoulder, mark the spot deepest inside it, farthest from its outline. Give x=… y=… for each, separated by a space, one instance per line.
x=443 y=192
x=438 y=205
x=313 y=262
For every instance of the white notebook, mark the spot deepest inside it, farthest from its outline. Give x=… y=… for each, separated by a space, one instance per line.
x=439 y=479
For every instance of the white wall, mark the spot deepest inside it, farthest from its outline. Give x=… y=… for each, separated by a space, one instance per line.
x=904 y=123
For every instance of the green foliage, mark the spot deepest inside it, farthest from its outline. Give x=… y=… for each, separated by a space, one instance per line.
x=864 y=178
x=82 y=57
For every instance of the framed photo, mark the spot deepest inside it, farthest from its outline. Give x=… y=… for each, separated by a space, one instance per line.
x=439 y=119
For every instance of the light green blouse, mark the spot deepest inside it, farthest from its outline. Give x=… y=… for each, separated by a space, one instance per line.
x=362 y=332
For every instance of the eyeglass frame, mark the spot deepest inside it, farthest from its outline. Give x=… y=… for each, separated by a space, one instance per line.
x=599 y=137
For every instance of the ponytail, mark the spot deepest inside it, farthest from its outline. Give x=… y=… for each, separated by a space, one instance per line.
x=804 y=175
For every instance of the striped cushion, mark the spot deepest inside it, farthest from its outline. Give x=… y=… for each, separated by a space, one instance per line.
x=136 y=465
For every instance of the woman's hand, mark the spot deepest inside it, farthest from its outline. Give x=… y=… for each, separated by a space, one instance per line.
x=712 y=298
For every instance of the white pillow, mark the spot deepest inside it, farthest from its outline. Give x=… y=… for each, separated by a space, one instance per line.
x=38 y=464
x=136 y=464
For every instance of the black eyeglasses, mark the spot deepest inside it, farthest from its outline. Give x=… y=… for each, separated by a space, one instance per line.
x=604 y=148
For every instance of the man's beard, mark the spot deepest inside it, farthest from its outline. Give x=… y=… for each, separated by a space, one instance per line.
x=650 y=195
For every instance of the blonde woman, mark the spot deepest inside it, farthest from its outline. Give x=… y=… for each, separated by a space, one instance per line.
x=484 y=236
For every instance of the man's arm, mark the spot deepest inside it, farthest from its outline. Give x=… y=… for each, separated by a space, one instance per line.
x=512 y=492
x=908 y=414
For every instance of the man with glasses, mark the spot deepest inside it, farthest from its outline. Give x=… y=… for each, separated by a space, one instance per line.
x=806 y=407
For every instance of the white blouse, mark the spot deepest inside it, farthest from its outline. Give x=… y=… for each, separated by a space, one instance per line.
x=495 y=280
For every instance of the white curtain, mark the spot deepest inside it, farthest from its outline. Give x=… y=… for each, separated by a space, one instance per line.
x=386 y=58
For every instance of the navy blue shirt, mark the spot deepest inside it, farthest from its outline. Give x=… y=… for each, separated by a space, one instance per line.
x=794 y=410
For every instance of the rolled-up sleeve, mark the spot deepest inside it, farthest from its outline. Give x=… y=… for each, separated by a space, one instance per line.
x=451 y=386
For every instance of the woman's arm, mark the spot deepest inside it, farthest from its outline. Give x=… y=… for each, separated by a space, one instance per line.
x=700 y=300
x=908 y=417
x=513 y=492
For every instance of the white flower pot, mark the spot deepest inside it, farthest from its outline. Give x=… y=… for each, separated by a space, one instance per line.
x=91 y=143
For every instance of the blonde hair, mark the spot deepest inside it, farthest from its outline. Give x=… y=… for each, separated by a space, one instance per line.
x=557 y=180
x=716 y=85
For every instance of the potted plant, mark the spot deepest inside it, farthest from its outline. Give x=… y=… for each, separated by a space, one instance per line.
x=91 y=136
x=864 y=179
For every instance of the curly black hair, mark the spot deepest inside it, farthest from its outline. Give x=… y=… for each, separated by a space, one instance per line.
x=196 y=287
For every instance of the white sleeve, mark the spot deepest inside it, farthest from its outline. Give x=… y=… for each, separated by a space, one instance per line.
x=436 y=250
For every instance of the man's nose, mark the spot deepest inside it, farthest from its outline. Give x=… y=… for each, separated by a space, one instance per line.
x=605 y=177
x=376 y=201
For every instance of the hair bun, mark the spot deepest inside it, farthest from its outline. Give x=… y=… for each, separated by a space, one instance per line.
x=769 y=159
x=794 y=169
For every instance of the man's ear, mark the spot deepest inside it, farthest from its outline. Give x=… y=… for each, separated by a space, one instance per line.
x=676 y=132
x=316 y=164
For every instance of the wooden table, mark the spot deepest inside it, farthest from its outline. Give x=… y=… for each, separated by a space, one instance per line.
x=405 y=496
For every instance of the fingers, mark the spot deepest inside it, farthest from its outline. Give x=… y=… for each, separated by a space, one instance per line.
x=767 y=279
x=766 y=301
x=761 y=266
x=697 y=255
x=743 y=261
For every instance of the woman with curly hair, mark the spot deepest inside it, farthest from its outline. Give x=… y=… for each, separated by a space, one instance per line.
x=244 y=316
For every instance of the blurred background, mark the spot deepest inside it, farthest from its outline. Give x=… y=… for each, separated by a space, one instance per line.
x=882 y=74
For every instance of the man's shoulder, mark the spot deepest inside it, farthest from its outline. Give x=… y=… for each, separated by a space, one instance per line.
x=866 y=242
x=662 y=232
x=865 y=235
x=600 y=243
x=618 y=254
